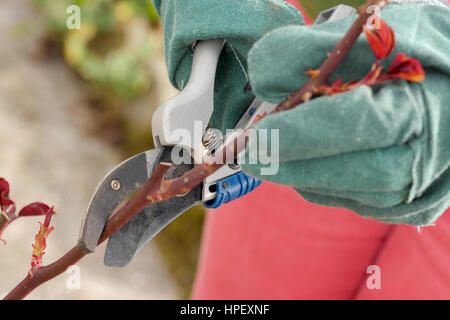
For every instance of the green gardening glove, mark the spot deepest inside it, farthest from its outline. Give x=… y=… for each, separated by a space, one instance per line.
x=383 y=152
x=241 y=23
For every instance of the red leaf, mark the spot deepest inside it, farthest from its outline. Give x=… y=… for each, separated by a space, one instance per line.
x=34 y=209
x=6 y=204
x=406 y=68
x=403 y=67
x=8 y=208
x=381 y=40
x=4 y=186
x=372 y=77
x=41 y=242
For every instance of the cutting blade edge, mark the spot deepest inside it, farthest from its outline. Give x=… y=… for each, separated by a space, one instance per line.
x=116 y=187
x=123 y=245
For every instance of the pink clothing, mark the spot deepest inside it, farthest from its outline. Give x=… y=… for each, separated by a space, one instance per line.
x=272 y=244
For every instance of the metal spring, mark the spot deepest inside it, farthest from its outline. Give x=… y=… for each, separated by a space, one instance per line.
x=212 y=140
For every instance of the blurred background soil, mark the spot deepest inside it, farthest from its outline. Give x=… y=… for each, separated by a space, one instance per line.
x=73 y=104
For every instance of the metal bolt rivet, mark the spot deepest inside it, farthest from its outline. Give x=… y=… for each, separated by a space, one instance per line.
x=115 y=185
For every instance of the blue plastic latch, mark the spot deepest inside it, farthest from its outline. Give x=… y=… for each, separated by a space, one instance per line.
x=231 y=188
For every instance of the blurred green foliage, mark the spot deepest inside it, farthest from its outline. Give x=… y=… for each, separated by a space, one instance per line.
x=100 y=50
x=314 y=7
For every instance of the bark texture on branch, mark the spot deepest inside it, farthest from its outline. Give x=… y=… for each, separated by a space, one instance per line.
x=327 y=68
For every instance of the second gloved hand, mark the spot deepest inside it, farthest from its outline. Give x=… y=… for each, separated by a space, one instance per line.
x=382 y=152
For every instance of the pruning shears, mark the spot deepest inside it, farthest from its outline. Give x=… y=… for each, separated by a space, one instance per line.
x=194 y=105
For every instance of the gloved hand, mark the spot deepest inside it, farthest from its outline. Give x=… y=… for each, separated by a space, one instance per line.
x=241 y=23
x=383 y=152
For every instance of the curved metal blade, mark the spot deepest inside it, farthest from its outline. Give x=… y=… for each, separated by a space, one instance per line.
x=115 y=188
x=123 y=245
